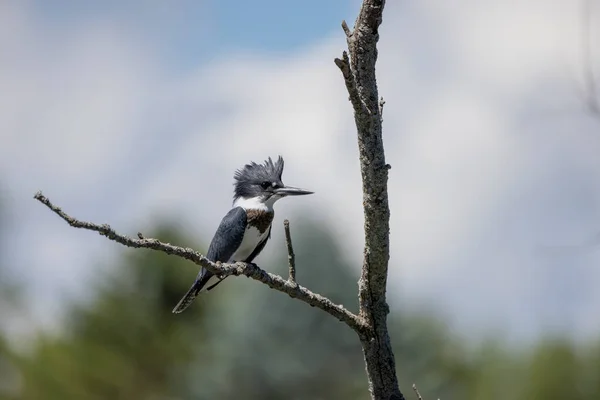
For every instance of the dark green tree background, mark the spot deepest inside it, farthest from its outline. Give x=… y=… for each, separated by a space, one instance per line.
x=244 y=341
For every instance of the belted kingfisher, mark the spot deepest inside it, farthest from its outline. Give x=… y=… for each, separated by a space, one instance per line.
x=246 y=228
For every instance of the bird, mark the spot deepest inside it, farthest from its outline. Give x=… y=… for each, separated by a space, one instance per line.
x=246 y=228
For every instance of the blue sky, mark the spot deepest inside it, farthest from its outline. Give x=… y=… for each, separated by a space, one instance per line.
x=114 y=111
x=191 y=32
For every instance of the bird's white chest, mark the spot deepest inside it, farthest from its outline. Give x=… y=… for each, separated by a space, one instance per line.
x=252 y=237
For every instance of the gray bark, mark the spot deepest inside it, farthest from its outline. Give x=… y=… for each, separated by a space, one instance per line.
x=359 y=75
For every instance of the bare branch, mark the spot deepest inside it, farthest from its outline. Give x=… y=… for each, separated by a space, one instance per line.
x=250 y=270
x=290 y=250
x=417 y=392
x=358 y=70
x=344 y=66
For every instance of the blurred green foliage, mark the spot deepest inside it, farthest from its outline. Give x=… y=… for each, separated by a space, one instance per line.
x=244 y=341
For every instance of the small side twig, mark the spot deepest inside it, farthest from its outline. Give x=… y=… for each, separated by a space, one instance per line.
x=381 y=104
x=417 y=392
x=290 y=249
x=347 y=30
x=344 y=65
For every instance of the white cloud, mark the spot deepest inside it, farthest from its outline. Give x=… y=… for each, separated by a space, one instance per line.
x=73 y=106
x=480 y=175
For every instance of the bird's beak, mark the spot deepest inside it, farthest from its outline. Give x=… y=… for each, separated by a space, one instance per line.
x=291 y=191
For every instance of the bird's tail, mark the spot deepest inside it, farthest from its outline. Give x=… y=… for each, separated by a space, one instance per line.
x=188 y=298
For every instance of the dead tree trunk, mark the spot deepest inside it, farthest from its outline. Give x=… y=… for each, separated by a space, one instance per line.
x=358 y=69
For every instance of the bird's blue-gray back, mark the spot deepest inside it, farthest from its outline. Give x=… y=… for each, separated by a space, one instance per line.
x=229 y=235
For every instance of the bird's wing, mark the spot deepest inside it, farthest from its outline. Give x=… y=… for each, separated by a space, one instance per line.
x=225 y=242
x=258 y=248
x=227 y=239
x=229 y=236
x=249 y=259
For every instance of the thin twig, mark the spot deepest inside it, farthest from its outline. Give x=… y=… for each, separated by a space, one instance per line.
x=290 y=250
x=250 y=270
x=417 y=392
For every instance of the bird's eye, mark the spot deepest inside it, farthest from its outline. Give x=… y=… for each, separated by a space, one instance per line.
x=265 y=185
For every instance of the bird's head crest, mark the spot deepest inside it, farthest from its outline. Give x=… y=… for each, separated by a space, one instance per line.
x=255 y=178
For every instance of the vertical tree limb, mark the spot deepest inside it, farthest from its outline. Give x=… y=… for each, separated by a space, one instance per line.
x=359 y=76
